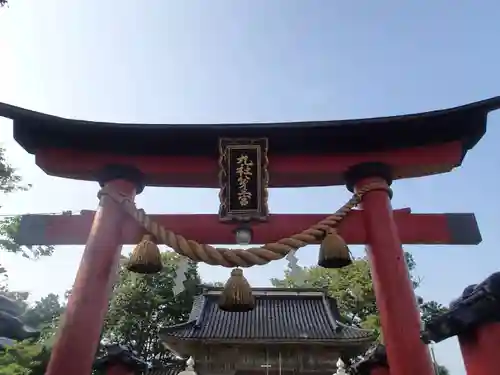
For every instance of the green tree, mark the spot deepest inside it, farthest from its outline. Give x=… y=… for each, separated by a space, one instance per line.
x=430 y=309
x=44 y=315
x=142 y=304
x=25 y=358
x=352 y=287
x=441 y=370
x=11 y=182
x=30 y=357
x=44 y=311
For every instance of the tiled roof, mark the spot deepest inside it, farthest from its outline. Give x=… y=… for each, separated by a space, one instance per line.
x=166 y=371
x=279 y=315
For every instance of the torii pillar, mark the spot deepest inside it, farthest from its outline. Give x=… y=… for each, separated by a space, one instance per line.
x=393 y=290
x=88 y=302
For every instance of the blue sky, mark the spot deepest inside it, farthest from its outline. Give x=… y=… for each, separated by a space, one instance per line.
x=235 y=61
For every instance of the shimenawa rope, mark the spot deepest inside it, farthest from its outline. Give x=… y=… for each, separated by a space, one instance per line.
x=240 y=257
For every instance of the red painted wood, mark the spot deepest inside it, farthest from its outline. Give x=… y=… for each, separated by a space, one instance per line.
x=74 y=350
x=74 y=230
x=481 y=351
x=380 y=370
x=399 y=316
x=285 y=171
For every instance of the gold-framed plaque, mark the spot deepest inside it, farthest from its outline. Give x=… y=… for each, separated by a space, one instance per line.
x=244 y=179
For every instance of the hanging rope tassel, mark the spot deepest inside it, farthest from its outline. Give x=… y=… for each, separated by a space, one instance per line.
x=237 y=295
x=333 y=251
x=252 y=256
x=146 y=257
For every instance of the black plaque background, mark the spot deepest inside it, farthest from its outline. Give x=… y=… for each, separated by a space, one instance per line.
x=233 y=153
x=230 y=207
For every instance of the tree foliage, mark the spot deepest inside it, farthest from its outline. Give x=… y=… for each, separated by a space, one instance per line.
x=10 y=182
x=142 y=304
x=441 y=370
x=8 y=230
x=30 y=357
x=42 y=315
x=352 y=288
x=25 y=358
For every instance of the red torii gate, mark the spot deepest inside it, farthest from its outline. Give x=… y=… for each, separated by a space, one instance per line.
x=124 y=158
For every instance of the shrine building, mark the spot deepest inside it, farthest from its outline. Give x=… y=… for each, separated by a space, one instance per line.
x=289 y=331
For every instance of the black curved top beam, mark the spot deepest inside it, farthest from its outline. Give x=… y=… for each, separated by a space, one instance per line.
x=466 y=124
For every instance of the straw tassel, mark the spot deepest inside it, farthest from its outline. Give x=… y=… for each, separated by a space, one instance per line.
x=333 y=251
x=146 y=257
x=237 y=295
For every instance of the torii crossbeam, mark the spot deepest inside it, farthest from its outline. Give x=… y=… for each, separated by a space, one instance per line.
x=243 y=160
x=413 y=229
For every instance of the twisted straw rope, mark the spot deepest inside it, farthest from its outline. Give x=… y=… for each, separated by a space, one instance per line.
x=225 y=257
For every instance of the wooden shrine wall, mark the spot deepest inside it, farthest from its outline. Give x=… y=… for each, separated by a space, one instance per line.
x=212 y=359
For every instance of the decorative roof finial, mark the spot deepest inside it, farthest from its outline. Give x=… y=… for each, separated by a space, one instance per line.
x=189 y=370
x=340 y=367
